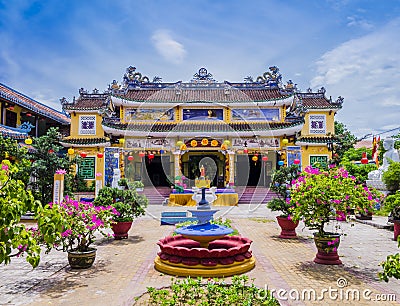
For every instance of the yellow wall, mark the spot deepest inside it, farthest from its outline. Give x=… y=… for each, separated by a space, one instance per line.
x=329 y=121
x=74 y=130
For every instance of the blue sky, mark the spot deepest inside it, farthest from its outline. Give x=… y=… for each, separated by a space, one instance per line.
x=50 y=49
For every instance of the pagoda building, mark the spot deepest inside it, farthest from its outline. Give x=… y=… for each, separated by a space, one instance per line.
x=22 y=117
x=199 y=133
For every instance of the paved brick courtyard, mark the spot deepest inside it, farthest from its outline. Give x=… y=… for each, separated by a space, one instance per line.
x=123 y=269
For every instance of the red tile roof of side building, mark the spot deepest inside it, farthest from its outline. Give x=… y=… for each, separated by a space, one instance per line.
x=11 y=95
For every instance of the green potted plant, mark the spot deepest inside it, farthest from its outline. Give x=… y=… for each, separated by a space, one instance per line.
x=128 y=205
x=281 y=182
x=318 y=194
x=392 y=203
x=79 y=221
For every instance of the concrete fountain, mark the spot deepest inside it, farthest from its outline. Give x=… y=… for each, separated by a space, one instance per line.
x=204 y=249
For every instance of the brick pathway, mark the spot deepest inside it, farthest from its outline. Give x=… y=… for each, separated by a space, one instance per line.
x=123 y=269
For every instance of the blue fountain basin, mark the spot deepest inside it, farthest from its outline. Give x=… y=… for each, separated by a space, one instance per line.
x=206 y=229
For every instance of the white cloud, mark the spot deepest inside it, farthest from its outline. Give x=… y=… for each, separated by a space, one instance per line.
x=366 y=72
x=169 y=48
x=355 y=21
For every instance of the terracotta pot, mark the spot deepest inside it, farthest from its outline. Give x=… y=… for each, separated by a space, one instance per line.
x=327 y=246
x=81 y=260
x=288 y=227
x=121 y=229
x=396 y=228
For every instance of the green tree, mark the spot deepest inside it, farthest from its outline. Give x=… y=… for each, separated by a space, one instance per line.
x=15 y=238
x=10 y=150
x=345 y=140
x=359 y=171
x=47 y=159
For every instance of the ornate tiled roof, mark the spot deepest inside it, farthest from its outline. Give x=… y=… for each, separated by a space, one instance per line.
x=309 y=140
x=317 y=100
x=86 y=101
x=84 y=142
x=115 y=127
x=204 y=94
x=13 y=96
x=9 y=132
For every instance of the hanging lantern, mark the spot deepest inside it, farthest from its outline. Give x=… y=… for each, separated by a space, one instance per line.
x=285 y=141
x=296 y=161
x=71 y=151
x=100 y=155
x=183 y=147
x=179 y=143
x=214 y=143
x=227 y=142
x=264 y=158
x=364 y=159
x=121 y=141
x=193 y=143
x=29 y=114
x=204 y=142
x=130 y=158
x=28 y=141
x=162 y=151
x=83 y=154
x=245 y=151
x=151 y=156
x=142 y=154
x=11 y=108
x=254 y=158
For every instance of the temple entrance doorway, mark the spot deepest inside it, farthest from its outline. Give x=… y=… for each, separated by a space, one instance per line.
x=209 y=164
x=157 y=171
x=248 y=171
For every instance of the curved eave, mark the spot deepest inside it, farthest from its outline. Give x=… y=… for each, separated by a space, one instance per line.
x=82 y=110
x=132 y=132
x=118 y=101
x=326 y=109
x=80 y=145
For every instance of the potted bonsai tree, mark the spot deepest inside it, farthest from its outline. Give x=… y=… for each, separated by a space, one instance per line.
x=317 y=195
x=128 y=205
x=79 y=221
x=281 y=183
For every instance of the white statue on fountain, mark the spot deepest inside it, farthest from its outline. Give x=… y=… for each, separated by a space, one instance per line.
x=375 y=177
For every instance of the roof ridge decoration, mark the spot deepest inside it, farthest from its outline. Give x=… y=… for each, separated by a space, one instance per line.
x=203 y=77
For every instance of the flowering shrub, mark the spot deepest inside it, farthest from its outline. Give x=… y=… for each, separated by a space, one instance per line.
x=79 y=223
x=317 y=194
x=15 y=238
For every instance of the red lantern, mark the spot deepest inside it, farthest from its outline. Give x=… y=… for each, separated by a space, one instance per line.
x=151 y=156
x=245 y=151
x=83 y=154
x=100 y=155
x=265 y=158
x=142 y=154
x=296 y=161
x=364 y=159
x=130 y=158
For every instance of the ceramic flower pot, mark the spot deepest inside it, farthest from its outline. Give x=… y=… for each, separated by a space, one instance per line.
x=288 y=227
x=81 y=260
x=121 y=229
x=327 y=246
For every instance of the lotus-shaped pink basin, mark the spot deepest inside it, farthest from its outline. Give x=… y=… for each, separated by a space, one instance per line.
x=226 y=250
